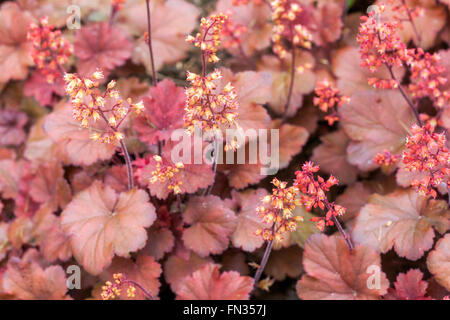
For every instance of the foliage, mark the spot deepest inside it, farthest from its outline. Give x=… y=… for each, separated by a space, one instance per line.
x=115 y=155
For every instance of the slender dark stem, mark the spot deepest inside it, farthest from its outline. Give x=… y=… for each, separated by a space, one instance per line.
x=128 y=164
x=343 y=233
x=405 y=96
x=214 y=167
x=416 y=32
x=291 y=86
x=147 y=294
x=263 y=263
x=150 y=48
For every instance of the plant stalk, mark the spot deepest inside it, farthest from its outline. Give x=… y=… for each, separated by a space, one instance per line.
x=150 y=47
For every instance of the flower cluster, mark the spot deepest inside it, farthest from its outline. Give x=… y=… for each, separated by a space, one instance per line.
x=380 y=45
x=89 y=104
x=232 y=32
x=50 y=49
x=166 y=172
x=277 y=211
x=314 y=194
x=328 y=97
x=112 y=290
x=208 y=40
x=285 y=15
x=402 y=12
x=386 y=158
x=426 y=151
x=426 y=78
x=206 y=108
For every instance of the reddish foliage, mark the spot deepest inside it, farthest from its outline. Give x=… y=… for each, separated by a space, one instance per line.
x=208 y=284
x=298 y=143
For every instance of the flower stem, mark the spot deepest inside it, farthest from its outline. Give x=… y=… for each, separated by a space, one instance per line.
x=343 y=233
x=291 y=86
x=147 y=294
x=410 y=18
x=405 y=96
x=214 y=167
x=263 y=263
x=150 y=48
x=128 y=164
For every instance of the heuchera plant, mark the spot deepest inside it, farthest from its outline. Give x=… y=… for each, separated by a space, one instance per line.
x=244 y=149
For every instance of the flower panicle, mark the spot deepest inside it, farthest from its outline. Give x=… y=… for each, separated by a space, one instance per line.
x=277 y=211
x=206 y=107
x=165 y=172
x=329 y=98
x=90 y=105
x=426 y=151
x=112 y=290
x=386 y=158
x=285 y=15
x=314 y=194
x=209 y=37
x=50 y=50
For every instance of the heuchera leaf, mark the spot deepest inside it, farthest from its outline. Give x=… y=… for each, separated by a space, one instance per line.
x=292 y=139
x=25 y=279
x=145 y=271
x=211 y=222
x=375 y=121
x=5 y=244
x=254 y=17
x=75 y=141
x=176 y=268
x=11 y=127
x=160 y=241
x=102 y=223
x=409 y=286
x=253 y=90
x=241 y=176
x=11 y=172
x=351 y=77
x=428 y=24
x=208 y=284
x=303 y=84
x=304 y=230
x=248 y=219
x=100 y=45
x=49 y=186
x=353 y=199
x=171 y=21
x=15 y=57
x=333 y=272
x=403 y=220
x=438 y=261
x=43 y=91
x=55 y=243
x=286 y=262
x=331 y=156
x=163 y=113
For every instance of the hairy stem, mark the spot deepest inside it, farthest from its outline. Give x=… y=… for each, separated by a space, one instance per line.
x=343 y=233
x=410 y=18
x=150 y=47
x=128 y=164
x=214 y=167
x=291 y=85
x=263 y=263
x=405 y=96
